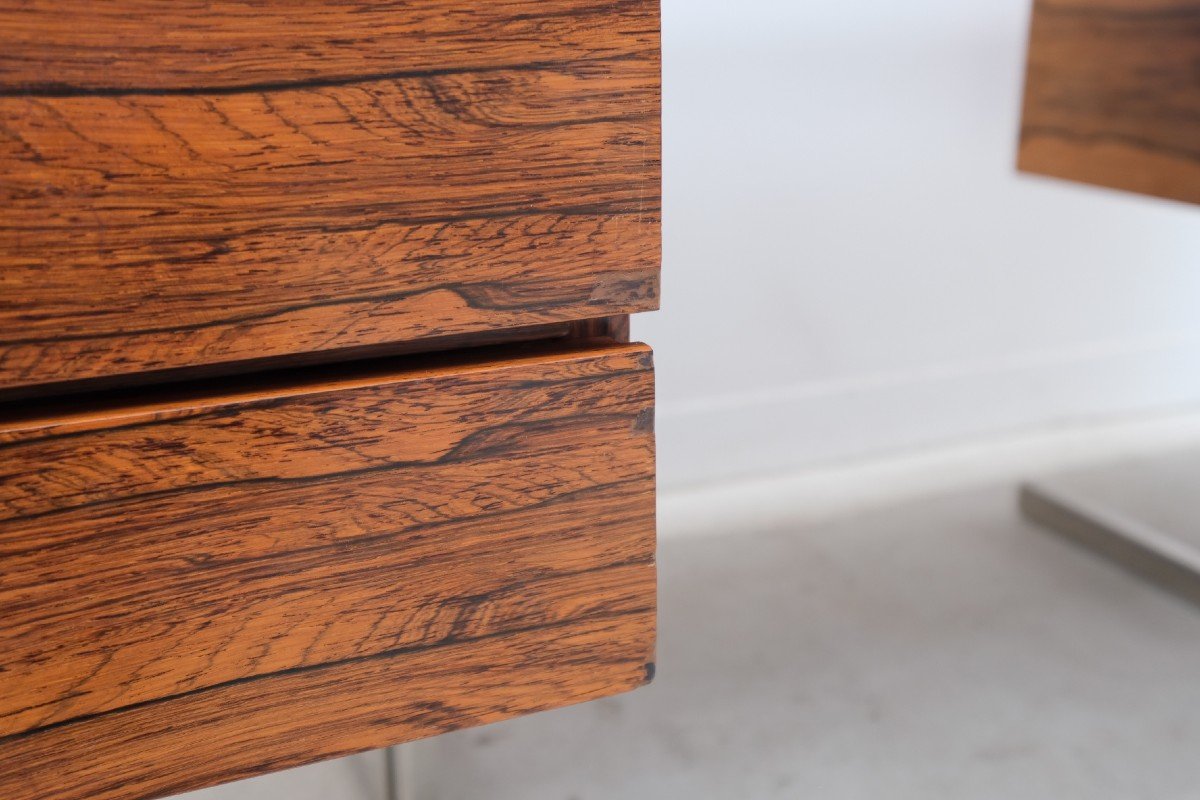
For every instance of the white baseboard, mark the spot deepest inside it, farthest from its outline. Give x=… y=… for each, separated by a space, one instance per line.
x=820 y=493
x=739 y=435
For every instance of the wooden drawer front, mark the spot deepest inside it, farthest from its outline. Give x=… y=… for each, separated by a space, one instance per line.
x=1112 y=95
x=202 y=589
x=188 y=184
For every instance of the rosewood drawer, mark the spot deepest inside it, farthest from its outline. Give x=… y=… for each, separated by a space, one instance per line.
x=250 y=518
x=210 y=584
x=201 y=184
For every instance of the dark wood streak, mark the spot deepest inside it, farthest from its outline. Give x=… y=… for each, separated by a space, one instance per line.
x=215 y=203
x=384 y=556
x=1141 y=143
x=1113 y=95
x=61 y=90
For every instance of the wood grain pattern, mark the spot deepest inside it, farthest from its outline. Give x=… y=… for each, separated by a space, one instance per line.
x=1113 y=95
x=229 y=44
x=203 y=587
x=270 y=178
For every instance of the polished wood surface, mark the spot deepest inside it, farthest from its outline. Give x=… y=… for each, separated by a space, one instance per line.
x=1113 y=95
x=188 y=184
x=207 y=585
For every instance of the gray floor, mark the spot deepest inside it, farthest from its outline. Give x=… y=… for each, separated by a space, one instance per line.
x=942 y=648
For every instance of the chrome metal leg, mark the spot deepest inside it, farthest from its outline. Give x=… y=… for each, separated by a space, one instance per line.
x=398 y=773
x=1143 y=514
x=391 y=777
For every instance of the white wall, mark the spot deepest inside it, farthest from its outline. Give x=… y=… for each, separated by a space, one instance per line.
x=852 y=263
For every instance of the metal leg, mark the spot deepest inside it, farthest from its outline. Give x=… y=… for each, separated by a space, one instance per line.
x=391 y=780
x=398 y=773
x=1143 y=515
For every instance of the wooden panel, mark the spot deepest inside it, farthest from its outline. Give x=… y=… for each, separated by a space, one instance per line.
x=1112 y=95
x=202 y=588
x=101 y=47
x=184 y=188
